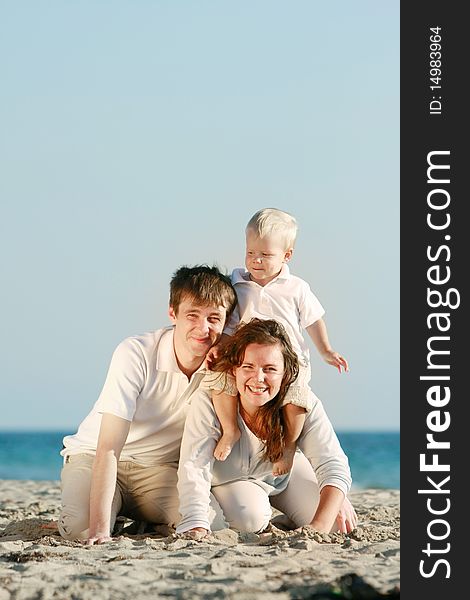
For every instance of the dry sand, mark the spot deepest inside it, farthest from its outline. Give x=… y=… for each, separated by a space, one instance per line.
x=36 y=563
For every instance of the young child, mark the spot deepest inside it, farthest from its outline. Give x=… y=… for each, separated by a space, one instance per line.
x=266 y=289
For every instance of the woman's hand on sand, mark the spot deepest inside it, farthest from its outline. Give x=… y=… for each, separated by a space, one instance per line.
x=98 y=539
x=196 y=534
x=346 y=520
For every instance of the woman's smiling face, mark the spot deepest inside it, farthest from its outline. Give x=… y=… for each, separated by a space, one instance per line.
x=259 y=377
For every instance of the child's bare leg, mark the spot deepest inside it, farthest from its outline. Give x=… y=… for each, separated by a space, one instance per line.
x=226 y=410
x=294 y=419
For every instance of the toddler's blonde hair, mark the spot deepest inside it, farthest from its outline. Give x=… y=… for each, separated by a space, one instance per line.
x=272 y=221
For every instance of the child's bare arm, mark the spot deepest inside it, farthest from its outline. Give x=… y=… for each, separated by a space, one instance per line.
x=319 y=336
x=213 y=353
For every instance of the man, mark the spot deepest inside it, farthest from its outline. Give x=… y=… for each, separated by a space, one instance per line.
x=124 y=457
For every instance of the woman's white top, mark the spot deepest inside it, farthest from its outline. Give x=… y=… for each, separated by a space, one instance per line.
x=199 y=471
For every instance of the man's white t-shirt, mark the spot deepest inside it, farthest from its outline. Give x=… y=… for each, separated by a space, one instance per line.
x=145 y=386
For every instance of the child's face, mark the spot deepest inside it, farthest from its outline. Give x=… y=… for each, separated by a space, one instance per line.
x=265 y=257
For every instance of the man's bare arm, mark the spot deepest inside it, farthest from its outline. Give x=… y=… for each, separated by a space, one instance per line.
x=112 y=437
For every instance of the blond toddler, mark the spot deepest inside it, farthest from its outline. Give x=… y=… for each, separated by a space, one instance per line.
x=267 y=290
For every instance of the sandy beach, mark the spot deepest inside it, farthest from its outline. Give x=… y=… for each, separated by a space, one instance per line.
x=36 y=563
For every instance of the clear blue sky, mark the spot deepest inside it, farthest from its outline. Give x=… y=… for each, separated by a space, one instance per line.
x=140 y=136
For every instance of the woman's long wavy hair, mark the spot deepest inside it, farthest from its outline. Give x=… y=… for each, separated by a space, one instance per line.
x=269 y=421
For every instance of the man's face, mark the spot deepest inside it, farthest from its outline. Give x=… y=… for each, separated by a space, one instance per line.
x=197 y=326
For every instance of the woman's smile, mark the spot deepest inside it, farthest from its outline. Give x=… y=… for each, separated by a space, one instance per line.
x=259 y=377
x=257 y=390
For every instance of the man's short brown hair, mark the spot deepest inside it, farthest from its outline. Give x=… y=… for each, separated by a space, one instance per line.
x=204 y=285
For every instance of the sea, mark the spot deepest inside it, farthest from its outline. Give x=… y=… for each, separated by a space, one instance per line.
x=374 y=457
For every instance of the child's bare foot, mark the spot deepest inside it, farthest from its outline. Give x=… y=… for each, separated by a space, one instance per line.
x=226 y=443
x=284 y=464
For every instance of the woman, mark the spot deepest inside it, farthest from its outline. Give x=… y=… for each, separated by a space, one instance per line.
x=261 y=358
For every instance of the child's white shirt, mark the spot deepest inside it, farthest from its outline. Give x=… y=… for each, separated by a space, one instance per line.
x=287 y=299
